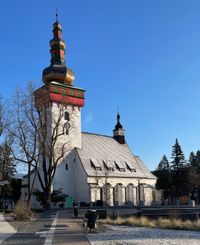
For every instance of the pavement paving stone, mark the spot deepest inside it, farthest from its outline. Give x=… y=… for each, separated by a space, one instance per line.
x=6 y=230
x=29 y=235
x=71 y=232
x=51 y=228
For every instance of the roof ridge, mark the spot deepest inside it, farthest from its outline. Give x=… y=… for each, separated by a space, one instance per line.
x=109 y=136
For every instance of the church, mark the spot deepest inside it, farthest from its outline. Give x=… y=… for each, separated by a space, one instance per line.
x=94 y=169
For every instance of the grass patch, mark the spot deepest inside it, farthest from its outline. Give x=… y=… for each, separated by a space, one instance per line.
x=163 y=223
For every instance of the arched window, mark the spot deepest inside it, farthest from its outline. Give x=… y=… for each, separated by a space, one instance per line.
x=66 y=166
x=66 y=115
x=66 y=128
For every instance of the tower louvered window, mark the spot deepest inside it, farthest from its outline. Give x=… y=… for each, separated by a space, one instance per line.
x=66 y=115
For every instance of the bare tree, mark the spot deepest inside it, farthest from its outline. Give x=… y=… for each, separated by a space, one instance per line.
x=23 y=133
x=35 y=134
x=3 y=116
x=52 y=144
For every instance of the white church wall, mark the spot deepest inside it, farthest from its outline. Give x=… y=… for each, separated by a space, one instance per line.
x=148 y=196
x=73 y=137
x=124 y=180
x=119 y=195
x=64 y=176
x=82 y=187
x=130 y=196
x=95 y=194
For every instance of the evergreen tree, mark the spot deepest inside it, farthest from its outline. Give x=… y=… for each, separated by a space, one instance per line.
x=198 y=161
x=177 y=156
x=192 y=179
x=164 y=164
x=163 y=174
x=7 y=166
x=15 y=185
x=193 y=160
x=178 y=170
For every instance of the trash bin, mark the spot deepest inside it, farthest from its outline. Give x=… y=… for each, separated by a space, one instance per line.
x=91 y=216
x=75 y=211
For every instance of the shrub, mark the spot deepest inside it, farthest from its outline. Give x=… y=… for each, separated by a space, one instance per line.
x=56 y=196
x=22 y=211
x=61 y=205
x=162 y=223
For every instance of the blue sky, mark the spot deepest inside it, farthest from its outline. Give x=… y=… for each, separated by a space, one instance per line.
x=141 y=56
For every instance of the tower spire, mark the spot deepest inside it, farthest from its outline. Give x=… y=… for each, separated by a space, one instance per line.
x=118 y=132
x=58 y=71
x=56 y=14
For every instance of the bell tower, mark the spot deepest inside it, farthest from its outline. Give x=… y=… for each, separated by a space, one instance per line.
x=59 y=94
x=118 y=132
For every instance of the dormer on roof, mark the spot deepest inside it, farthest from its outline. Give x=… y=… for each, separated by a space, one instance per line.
x=120 y=166
x=108 y=164
x=130 y=166
x=95 y=164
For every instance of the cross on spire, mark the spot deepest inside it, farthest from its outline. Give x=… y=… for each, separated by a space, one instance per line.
x=56 y=14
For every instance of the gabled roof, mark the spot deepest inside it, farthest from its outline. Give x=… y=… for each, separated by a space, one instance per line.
x=101 y=147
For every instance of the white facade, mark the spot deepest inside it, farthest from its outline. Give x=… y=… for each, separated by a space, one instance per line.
x=73 y=137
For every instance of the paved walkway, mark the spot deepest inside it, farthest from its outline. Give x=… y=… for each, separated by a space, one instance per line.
x=35 y=232
x=68 y=230
x=53 y=227
x=6 y=229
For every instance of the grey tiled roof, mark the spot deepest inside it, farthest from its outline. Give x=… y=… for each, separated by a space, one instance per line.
x=102 y=147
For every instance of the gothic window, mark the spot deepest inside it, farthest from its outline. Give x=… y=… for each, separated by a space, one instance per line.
x=66 y=116
x=66 y=166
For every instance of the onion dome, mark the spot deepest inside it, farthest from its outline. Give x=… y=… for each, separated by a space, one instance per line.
x=58 y=71
x=118 y=132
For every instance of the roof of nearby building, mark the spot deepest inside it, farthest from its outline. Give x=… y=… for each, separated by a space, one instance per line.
x=4 y=182
x=18 y=176
x=98 y=149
